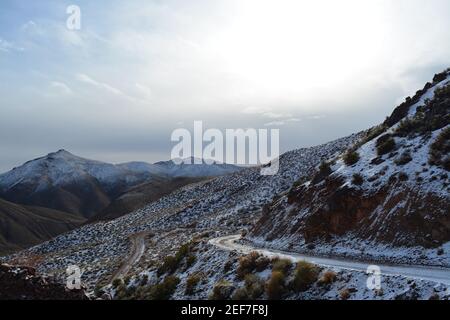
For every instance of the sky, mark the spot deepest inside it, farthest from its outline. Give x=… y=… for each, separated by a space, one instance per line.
x=136 y=70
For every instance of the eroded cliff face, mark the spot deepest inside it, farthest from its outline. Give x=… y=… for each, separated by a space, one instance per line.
x=396 y=214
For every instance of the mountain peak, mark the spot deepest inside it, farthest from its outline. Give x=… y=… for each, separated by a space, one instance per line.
x=62 y=154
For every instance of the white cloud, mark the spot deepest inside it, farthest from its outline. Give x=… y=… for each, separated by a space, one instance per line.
x=266 y=112
x=275 y=123
x=7 y=46
x=87 y=79
x=276 y=115
x=316 y=117
x=144 y=90
x=71 y=38
x=29 y=25
x=283 y=122
x=60 y=87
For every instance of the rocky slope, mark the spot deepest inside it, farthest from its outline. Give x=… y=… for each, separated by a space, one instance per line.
x=386 y=196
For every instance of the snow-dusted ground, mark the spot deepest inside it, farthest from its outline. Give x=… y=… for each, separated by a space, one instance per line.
x=212 y=257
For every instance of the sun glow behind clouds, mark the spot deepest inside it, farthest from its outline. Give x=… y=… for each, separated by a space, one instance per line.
x=292 y=45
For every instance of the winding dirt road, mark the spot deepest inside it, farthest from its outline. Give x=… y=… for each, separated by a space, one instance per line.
x=137 y=250
x=439 y=275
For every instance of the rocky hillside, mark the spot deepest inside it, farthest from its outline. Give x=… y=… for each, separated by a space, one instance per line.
x=385 y=194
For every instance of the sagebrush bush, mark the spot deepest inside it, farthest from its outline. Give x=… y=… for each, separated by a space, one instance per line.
x=357 y=179
x=171 y=263
x=402 y=176
x=247 y=264
x=190 y=260
x=227 y=266
x=351 y=157
x=123 y=292
x=374 y=132
x=240 y=294
x=385 y=144
x=183 y=251
x=305 y=275
x=282 y=265
x=117 y=282
x=324 y=171
x=254 y=286
x=222 y=290
x=407 y=126
x=403 y=159
x=328 y=277
x=440 y=150
x=261 y=263
x=344 y=294
x=275 y=286
x=98 y=290
x=163 y=290
x=191 y=283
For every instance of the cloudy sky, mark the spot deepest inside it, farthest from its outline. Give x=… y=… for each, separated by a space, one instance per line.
x=138 y=69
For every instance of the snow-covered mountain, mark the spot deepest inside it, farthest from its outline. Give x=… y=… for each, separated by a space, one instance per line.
x=62 y=168
x=66 y=182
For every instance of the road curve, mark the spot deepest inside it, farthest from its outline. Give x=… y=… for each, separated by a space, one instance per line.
x=439 y=275
x=137 y=250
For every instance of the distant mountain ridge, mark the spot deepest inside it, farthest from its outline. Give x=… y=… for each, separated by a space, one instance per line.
x=81 y=186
